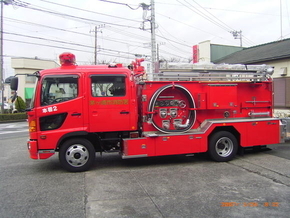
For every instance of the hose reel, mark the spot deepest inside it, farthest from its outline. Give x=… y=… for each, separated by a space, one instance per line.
x=171 y=109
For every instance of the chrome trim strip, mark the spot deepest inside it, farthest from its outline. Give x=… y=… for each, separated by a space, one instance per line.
x=134 y=156
x=133 y=139
x=46 y=151
x=257 y=101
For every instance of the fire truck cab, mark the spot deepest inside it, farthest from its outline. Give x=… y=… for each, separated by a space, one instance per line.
x=79 y=110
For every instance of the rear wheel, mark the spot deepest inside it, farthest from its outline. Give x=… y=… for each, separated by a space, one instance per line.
x=223 y=146
x=77 y=155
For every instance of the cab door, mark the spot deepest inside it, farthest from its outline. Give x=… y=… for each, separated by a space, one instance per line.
x=60 y=109
x=109 y=103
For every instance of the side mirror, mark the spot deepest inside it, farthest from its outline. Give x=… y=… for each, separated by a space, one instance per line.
x=14 y=87
x=14 y=83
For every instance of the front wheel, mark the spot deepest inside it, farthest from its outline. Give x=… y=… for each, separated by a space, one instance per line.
x=77 y=155
x=223 y=146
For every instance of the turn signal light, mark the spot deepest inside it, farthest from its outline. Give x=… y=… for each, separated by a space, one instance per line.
x=32 y=126
x=42 y=136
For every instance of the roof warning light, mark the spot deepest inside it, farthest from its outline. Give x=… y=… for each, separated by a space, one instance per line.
x=67 y=59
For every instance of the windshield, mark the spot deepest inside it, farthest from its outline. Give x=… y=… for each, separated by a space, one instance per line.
x=58 y=89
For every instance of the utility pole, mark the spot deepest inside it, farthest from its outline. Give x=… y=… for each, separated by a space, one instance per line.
x=153 y=38
x=1 y=60
x=96 y=42
x=150 y=19
x=158 y=58
x=238 y=35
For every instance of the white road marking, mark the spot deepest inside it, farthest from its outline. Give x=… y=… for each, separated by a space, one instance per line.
x=8 y=128
x=8 y=132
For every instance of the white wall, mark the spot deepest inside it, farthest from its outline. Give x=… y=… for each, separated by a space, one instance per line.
x=204 y=52
x=29 y=66
x=278 y=65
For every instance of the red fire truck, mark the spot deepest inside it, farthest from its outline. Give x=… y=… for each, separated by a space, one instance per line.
x=80 y=110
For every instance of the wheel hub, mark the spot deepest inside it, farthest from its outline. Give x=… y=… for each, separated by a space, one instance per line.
x=224 y=147
x=221 y=146
x=77 y=155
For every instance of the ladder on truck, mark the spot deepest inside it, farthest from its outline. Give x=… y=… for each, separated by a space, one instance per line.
x=214 y=72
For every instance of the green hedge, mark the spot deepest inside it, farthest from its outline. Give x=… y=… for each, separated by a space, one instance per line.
x=11 y=117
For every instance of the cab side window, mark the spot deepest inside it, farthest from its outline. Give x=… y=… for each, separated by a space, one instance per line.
x=108 y=86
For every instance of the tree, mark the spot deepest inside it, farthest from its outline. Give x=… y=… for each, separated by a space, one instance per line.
x=174 y=60
x=20 y=104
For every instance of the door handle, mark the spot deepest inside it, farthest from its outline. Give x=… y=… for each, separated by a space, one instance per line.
x=124 y=112
x=76 y=114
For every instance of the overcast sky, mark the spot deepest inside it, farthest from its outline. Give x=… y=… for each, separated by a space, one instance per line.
x=46 y=28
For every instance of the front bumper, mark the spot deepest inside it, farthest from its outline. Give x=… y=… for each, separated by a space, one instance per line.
x=36 y=153
x=32 y=148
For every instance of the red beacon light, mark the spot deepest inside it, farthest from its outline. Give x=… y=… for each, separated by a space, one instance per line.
x=67 y=59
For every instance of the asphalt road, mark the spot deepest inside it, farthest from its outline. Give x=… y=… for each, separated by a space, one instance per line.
x=254 y=185
x=9 y=130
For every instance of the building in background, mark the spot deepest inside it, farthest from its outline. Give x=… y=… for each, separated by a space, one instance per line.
x=28 y=66
x=276 y=54
x=205 y=52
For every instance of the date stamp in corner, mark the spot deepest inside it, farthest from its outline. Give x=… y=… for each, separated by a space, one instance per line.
x=250 y=204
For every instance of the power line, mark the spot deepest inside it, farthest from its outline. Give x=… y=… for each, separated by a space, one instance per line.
x=234 y=32
x=52 y=40
x=212 y=15
x=192 y=8
x=68 y=16
x=26 y=57
x=75 y=17
x=65 y=42
x=82 y=19
x=175 y=55
x=178 y=49
x=248 y=41
x=70 y=31
x=80 y=9
x=221 y=9
x=168 y=33
x=126 y=34
x=53 y=46
x=42 y=25
x=170 y=18
x=75 y=44
x=61 y=47
x=213 y=19
x=93 y=11
x=163 y=37
x=248 y=12
x=188 y=25
x=119 y=3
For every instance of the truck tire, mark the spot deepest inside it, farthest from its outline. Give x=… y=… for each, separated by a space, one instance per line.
x=223 y=146
x=77 y=155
